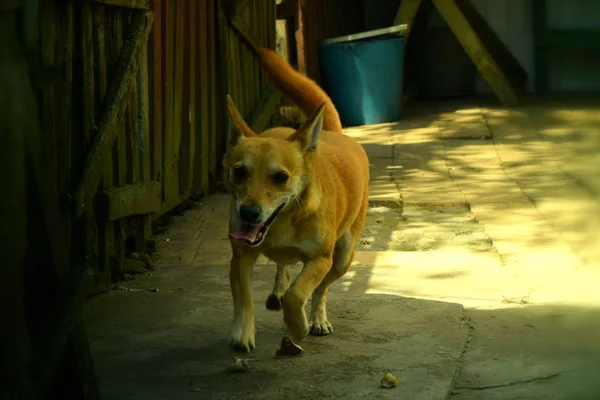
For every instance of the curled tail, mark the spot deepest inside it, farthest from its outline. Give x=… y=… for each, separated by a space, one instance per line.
x=304 y=92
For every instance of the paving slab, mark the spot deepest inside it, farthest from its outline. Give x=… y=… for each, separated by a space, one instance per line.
x=542 y=352
x=473 y=279
x=377 y=140
x=172 y=344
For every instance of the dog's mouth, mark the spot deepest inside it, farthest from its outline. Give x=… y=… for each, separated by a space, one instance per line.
x=254 y=234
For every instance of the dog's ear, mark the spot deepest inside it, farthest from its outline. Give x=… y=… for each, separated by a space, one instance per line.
x=240 y=128
x=308 y=134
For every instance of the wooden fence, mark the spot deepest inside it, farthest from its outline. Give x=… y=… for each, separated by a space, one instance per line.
x=133 y=109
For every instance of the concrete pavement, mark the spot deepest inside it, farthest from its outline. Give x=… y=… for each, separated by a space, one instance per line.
x=475 y=276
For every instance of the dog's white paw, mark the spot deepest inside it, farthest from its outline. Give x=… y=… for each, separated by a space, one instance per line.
x=242 y=340
x=321 y=328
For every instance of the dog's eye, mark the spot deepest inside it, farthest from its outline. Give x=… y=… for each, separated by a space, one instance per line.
x=280 y=178
x=240 y=173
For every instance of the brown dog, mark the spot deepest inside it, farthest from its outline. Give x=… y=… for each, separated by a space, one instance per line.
x=296 y=196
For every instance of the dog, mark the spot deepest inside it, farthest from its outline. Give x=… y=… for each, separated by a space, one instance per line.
x=296 y=196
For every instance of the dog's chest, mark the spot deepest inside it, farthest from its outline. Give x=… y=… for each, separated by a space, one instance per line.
x=284 y=246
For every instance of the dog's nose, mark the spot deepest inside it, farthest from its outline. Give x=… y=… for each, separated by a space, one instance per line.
x=250 y=214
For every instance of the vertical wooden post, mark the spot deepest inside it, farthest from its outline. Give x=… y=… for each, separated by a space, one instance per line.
x=88 y=224
x=107 y=231
x=169 y=62
x=191 y=75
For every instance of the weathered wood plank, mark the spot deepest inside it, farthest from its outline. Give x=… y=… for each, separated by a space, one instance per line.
x=88 y=224
x=242 y=31
x=136 y=199
x=207 y=84
x=193 y=67
x=169 y=59
x=53 y=339
x=407 y=14
x=226 y=70
x=133 y=133
x=123 y=131
x=240 y=6
x=144 y=120
x=157 y=49
x=201 y=181
x=106 y=231
x=186 y=150
x=476 y=49
x=17 y=347
x=135 y=4
x=179 y=108
x=119 y=88
x=143 y=113
x=87 y=52
x=260 y=115
x=212 y=44
x=122 y=128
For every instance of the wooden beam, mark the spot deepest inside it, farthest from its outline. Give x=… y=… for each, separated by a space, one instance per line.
x=135 y=4
x=239 y=6
x=259 y=117
x=107 y=128
x=487 y=65
x=504 y=57
x=408 y=12
x=137 y=199
x=238 y=26
x=15 y=344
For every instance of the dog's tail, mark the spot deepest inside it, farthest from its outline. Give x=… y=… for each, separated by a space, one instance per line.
x=304 y=92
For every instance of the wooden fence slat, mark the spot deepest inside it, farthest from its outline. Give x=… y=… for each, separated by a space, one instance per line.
x=125 y=201
x=212 y=73
x=143 y=114
x=133 y=134
x=192 y=72
x=265 y=106
x=88 y=224
x=186 y=150
x=106 y=232
x=202 y=103
x=123 y=132
x=168 y=150
x=157 y=92
x=135 y=4
x=118 y=90
x=180 y=30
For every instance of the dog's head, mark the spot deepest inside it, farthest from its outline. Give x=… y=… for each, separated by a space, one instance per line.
x=265 y=174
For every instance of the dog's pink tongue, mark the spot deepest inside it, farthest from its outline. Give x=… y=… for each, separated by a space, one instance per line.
x=246 y=232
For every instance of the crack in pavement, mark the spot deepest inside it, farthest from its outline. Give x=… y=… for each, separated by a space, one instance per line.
x=515 y=383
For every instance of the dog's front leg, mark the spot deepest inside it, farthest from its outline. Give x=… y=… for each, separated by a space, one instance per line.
x=240 y=279
x=295 y=297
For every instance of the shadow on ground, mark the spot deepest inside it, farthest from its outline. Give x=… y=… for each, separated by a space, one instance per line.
x=173 y=343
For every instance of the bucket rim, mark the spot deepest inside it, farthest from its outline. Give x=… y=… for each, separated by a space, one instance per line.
x=396 y=30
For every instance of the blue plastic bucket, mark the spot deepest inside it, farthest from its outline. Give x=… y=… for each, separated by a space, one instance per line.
x=364 y=78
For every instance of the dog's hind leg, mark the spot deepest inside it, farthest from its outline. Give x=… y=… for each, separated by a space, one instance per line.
x=282 y=283
x=342 y=257
x=240 y=278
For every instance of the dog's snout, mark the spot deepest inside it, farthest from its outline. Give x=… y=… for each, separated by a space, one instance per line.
x=250 y=213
